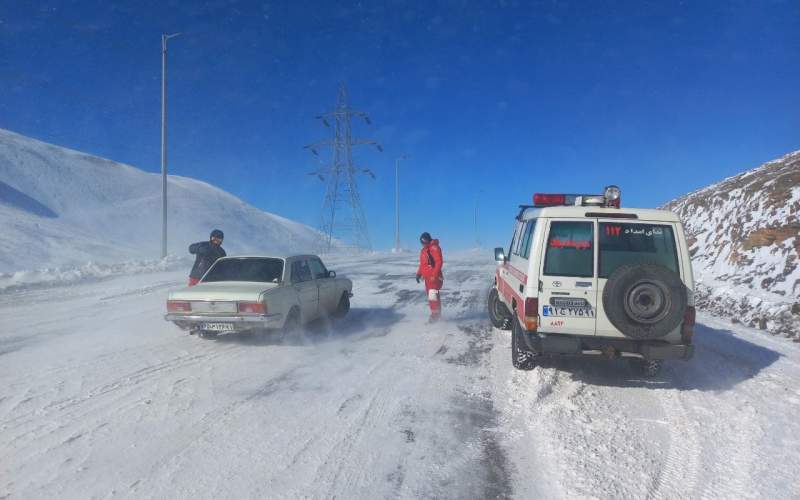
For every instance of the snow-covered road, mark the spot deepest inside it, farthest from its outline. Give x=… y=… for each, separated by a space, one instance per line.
x=99 y=396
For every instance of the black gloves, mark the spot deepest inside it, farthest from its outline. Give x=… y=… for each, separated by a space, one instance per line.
x=418 y=277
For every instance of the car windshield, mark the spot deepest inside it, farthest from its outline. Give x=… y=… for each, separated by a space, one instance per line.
x=250 y=269
x=622 y=244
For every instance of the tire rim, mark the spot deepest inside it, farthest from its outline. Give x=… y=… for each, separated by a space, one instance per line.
x=647 y=302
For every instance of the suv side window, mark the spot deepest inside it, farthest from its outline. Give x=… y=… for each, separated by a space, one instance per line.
x=318 y=269
x=515 y=239
x=300 y=271
x=527 y=236
x=570 y=249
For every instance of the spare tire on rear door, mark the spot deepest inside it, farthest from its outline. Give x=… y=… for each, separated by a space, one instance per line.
x=644 y=301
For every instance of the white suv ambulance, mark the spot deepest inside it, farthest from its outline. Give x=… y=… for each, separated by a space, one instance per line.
x=583 y=276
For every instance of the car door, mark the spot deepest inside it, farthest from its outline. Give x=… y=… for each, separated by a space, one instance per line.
x=307 y=290
x=568 y=296
x=328 y=299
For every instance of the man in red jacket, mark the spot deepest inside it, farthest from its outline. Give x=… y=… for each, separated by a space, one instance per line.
x=430 y=269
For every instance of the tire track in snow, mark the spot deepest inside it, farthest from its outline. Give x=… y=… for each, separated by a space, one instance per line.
x=678 y=474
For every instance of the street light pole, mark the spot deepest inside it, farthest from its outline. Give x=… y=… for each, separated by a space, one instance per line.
x=397 y=202
x=164 y=38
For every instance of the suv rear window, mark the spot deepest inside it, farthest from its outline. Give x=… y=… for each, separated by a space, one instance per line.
x=622 y=244
x=258 y=270
x=570 y=250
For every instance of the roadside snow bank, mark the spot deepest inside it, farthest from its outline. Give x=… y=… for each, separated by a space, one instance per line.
x=58 y=276
x=738 y=306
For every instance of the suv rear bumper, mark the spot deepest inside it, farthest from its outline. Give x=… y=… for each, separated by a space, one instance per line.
x=584 y=345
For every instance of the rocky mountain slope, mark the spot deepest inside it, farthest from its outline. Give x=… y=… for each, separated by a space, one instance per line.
x=60 y=207
x=744 y=237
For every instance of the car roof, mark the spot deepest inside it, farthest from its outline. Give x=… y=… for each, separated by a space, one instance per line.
x=580 y=212
x=281 y=257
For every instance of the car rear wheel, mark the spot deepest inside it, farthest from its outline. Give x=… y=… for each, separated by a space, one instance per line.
x=521 y=357
x=292 y=324
x=498 y=313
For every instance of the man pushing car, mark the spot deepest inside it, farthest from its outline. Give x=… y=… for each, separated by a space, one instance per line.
x=207 y=252
x=430 y=269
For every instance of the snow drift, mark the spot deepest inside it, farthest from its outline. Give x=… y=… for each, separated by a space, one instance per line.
x=60 y=207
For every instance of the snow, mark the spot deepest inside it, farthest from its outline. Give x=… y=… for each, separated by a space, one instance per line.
x=100 y=397
x=62 y=208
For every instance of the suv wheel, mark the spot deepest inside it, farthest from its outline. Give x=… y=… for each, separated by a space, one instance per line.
x=645 y=301
x=521 y=357
x=498 y=313
x=646 y=367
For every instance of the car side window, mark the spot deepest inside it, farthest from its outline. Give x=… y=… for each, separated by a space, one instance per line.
x=300 y=271
x=524 y=246
x=318 y=269
x=515 y=238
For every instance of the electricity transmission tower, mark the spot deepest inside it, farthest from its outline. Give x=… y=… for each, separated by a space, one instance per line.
x=342 y=216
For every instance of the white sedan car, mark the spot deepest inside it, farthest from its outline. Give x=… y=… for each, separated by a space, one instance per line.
x=258 y=293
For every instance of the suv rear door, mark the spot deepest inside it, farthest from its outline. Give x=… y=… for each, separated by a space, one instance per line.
x=568 y=294
x=621 y=243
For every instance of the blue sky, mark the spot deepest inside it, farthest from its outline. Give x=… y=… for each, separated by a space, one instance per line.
x=492 y=101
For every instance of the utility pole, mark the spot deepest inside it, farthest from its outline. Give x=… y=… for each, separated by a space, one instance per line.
x=342 y=215
x=397 y=201
x=164 y=38
x=475 y=221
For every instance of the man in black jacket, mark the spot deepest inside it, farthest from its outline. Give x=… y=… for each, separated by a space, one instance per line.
x=207 y=253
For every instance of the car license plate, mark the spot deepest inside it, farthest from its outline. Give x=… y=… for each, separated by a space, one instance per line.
x=217 y=327
x=568 y=302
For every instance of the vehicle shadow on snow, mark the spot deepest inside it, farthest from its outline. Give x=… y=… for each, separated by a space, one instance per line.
x=359 y=324
x=721 y=362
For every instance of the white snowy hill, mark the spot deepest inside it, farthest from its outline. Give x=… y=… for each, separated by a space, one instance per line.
x=744 y=237
x=60 y=207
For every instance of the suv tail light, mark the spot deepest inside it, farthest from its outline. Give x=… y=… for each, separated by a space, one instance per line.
x=687 y=330
x=179 y=306
x=252 y=307
x=531 y=314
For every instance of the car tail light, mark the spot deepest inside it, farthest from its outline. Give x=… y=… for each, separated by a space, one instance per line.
x=252 y=307
x=178 y=306
x=531 y=314
x=687 y=330
x=549 y=200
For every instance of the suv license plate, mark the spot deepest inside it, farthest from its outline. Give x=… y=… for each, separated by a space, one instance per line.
x=217 y=327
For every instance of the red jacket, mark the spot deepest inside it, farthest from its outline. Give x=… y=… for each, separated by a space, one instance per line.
x=431 y=262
